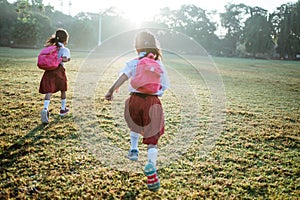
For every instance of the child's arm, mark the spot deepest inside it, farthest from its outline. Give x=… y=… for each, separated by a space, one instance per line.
x=66 y=55
x=116 y=85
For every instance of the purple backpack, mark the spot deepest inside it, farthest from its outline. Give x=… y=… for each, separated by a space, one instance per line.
x=48 y=58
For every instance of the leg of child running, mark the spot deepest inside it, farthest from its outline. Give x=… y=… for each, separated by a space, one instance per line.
x=150 y=169
x=47 y=100
x=63 y=100
x=152 y=153
x=45 y=112
x=134 y=140
x=63 y=109
x=133 y=153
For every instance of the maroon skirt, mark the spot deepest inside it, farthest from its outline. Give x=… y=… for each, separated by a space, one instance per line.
x=54 y=81
x=144 y=115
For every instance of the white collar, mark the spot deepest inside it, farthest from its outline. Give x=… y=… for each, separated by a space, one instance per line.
x=61 y=44
x=142 y=54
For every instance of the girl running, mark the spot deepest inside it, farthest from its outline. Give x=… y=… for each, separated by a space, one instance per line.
x=56 y=80
x=143 y=111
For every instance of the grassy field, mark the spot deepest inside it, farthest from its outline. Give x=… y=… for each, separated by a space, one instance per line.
x=256 y=154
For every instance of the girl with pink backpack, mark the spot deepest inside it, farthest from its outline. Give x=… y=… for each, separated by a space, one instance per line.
x=143 y=109
x=55 y=80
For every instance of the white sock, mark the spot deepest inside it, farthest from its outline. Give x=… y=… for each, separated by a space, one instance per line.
x=63 y=104
x=46 y=104
x=152 y=155
x=134 y=140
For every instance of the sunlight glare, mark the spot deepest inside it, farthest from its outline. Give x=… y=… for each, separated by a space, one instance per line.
x=138 y=11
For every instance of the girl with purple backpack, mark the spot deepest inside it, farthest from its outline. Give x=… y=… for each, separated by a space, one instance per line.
x=56 y=80
x=143 y=111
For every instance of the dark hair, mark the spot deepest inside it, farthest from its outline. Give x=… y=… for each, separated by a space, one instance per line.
x=145 y=41
x=61 y=35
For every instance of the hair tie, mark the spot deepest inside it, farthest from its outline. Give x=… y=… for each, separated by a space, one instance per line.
x=150 y=55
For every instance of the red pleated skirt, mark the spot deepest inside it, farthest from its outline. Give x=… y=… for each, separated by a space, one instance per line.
x=54 y=81
x=144 y=115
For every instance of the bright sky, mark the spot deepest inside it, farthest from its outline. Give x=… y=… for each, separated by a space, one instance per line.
x=129 y=6
x=138 y=10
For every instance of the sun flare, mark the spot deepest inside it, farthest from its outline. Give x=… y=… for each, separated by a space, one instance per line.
x=138 y=12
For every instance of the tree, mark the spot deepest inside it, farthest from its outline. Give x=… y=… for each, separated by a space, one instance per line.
x=233 y=21
x=257 y=35
x=24 y=29
x=288 y=44
x=32 y=27
x=43 y=28
x=84 y=30
x=192 y=21
x=166 y=17
x=8 y=18
x=113 y=23
x=296 y=19
x=30 y=22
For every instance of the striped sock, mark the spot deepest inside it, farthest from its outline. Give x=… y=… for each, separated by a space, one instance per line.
x=153 y=182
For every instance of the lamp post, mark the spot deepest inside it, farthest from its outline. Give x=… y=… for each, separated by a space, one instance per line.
x=100 y=29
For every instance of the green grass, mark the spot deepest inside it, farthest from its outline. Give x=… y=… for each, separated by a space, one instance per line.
x=255 y=157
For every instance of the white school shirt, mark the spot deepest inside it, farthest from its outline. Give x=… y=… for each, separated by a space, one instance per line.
x=130 y=69
x=63 y=52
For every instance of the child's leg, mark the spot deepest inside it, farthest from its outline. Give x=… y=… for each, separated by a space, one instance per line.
x=63 y=109
x=152 y=153
x=150 y=171
x=45 y=112
x=47 y=100
x=134 y=140
x=63 y=100
x=133 y=153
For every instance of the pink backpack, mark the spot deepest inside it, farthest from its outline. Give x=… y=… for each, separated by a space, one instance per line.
x=147 y=77
x=48 y=58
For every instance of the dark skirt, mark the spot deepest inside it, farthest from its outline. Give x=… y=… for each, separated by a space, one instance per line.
x=54 y=81
x=144 y=115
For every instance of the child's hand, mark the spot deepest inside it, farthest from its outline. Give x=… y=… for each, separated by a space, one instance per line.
x=115 y=87
x=109 y=96
x=65 y=59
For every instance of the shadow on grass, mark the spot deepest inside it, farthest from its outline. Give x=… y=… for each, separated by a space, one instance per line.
x=20 y=148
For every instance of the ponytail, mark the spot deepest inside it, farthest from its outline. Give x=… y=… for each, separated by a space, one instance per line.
x=51 y=41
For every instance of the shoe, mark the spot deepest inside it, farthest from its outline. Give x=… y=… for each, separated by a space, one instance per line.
x=153 y=183
x=45 y=116
x=64 y=112
x=133 y=155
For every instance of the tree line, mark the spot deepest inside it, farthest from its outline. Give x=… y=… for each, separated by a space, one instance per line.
x=250 y=31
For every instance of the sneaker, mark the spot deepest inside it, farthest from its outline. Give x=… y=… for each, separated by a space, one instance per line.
x=45 y=116
x=64 y=112
x=153 y=183
x=133 y=155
